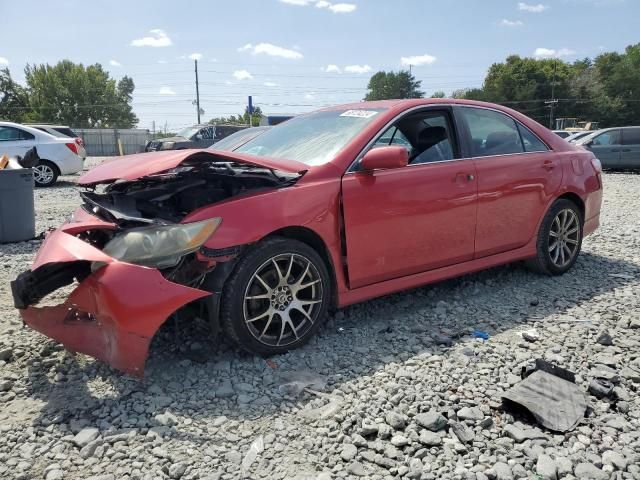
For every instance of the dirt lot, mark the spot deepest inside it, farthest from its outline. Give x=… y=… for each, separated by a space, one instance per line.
x=377 y=366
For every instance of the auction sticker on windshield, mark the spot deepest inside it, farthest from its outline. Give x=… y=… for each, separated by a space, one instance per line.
x=359 y=113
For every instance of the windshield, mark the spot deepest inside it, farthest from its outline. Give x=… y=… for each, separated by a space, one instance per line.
x=235 y=140
x=313 y=139
x=188 y=132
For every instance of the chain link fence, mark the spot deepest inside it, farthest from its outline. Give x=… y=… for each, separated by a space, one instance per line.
x=105 y=142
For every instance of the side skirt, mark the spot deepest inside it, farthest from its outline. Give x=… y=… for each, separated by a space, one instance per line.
x=419 y=279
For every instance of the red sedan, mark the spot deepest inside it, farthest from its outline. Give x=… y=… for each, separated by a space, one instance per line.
x=328 y=209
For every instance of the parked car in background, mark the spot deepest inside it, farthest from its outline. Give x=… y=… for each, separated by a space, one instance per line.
x=615 y=147
x=198 y=136
x=575 y=136
x=328 y=209
x=58 y=155
x=236 y=140
x=273 y=120
x=562 y=133
x=62 y=131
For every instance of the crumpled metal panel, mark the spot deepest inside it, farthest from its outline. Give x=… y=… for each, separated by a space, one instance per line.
x=555 y=403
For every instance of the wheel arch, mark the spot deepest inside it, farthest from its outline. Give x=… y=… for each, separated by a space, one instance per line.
x=315 y=241
x=53 y=164
x=575 y=198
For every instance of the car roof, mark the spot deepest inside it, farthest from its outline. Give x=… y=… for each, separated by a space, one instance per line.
x=47 y=125
x=27 y=128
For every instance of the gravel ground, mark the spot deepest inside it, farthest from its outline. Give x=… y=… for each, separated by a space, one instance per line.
x=400 y=388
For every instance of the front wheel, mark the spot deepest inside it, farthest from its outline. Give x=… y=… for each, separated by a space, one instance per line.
x=559 y=239
x=45 y=174
x=277 y=297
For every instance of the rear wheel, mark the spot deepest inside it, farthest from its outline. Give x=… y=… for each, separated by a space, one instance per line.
x=559 y=239
x=45 y=173
x=277 y=297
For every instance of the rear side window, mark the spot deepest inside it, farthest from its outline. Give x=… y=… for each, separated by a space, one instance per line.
x=492 y=133
x=612 y=137
x=530 y=141
x=631 y=136
x=11 y=134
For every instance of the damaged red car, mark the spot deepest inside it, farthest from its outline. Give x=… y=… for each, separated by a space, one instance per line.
x=328 y=209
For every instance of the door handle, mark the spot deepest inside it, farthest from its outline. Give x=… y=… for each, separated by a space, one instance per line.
x=470 y=177
x=460 y=177
x=548 y=165
x=625 y=150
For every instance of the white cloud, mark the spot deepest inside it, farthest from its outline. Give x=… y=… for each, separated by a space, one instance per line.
x=332 y=68
x=113 y=63
x=553 y=53
x=526 y=7
x=270 y=84
x=162 y=61
x=242 y=75
x=511 y=23
x=166 y=91
x=271 y=50
x=417 y=60
x=195 y=56
x=357 y=68
x=4 y=61
x=158 y=38
x=334 y=7
x=342 y=7
x=310 y=95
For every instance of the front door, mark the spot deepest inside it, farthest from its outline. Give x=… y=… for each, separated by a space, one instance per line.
x=607 y=148
x=411 y=219
x=517 y=177
x=630 y=150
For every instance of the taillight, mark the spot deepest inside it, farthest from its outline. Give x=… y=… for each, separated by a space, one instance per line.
x=73 y=147
x=596 y=165
x=79 y=141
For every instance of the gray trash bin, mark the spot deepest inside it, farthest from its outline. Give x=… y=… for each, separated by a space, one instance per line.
x=17 y=215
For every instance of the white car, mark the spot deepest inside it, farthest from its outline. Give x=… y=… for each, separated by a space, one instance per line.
x=58 y=155
x=61 y=131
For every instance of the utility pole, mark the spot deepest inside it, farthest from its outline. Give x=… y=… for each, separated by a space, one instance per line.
x=553 y=102
x=197 y=92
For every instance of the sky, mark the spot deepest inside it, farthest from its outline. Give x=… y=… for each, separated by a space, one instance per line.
x=294 y=56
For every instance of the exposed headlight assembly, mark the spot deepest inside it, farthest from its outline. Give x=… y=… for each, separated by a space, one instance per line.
x=167 y=145
x=160 y=246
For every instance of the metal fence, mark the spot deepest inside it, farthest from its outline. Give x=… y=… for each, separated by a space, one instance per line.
x=104 y=141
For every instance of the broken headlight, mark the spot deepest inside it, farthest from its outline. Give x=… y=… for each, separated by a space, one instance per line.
x=161 y=246
x=167 y=145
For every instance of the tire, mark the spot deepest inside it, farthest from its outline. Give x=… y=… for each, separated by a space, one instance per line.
x=45 y=173
x=563 y=221
x=292 y=276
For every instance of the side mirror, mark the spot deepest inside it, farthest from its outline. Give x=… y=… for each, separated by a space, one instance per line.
x=392 y=156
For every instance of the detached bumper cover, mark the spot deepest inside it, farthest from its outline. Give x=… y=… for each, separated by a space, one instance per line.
x=111 y=315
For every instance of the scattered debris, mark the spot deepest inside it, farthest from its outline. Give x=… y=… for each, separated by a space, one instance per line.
x=604 y=339
x=531 y=335
x=600 y=388
x=293 y=383
x=256 y=448
x=623 y=276
x=481 y=334
x=550 y=394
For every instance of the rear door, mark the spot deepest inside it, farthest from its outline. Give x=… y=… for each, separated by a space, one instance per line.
x=517 y=176
x=416 y=218
x=15 y=141
x=630 y=151
x=607 y=148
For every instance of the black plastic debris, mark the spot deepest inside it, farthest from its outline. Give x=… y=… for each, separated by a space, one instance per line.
x=549 y=393
x=600 y=388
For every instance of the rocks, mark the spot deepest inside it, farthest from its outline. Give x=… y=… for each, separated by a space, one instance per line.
x=546 y=468
x=406 y=389
x=349 y=452
x=531 y=335
x=588 y=471
x=395 y=420
x=85 y=436
x=470 y=413
x=433 y=421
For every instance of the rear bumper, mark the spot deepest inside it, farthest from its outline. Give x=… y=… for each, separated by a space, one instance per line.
x=111 y=315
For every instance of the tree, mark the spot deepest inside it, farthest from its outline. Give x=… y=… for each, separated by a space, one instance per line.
x=242 y=119
x=80 y=96
x=387 y=85
x=14 y=100
x=439 y=94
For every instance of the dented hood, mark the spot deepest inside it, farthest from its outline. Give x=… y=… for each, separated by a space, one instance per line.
x=132 y=167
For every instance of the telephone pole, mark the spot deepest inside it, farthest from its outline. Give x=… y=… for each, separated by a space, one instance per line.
x=553 y=102
x=197 y=92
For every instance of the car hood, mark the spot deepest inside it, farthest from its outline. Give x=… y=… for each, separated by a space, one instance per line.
x=133 y=167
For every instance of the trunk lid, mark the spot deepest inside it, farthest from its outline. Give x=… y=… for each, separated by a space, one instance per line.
x=133 y=167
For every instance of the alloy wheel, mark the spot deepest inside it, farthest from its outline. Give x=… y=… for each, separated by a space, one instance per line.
x=564 y=237
x=283 y=299
x=43 y=174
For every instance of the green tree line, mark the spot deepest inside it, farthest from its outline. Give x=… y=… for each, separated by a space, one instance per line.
x=605 y=89
x=68 y=93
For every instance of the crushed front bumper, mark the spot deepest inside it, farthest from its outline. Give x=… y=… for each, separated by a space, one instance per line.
x=111 y=315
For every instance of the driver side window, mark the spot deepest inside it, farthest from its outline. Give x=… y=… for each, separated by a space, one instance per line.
x=612 y=137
